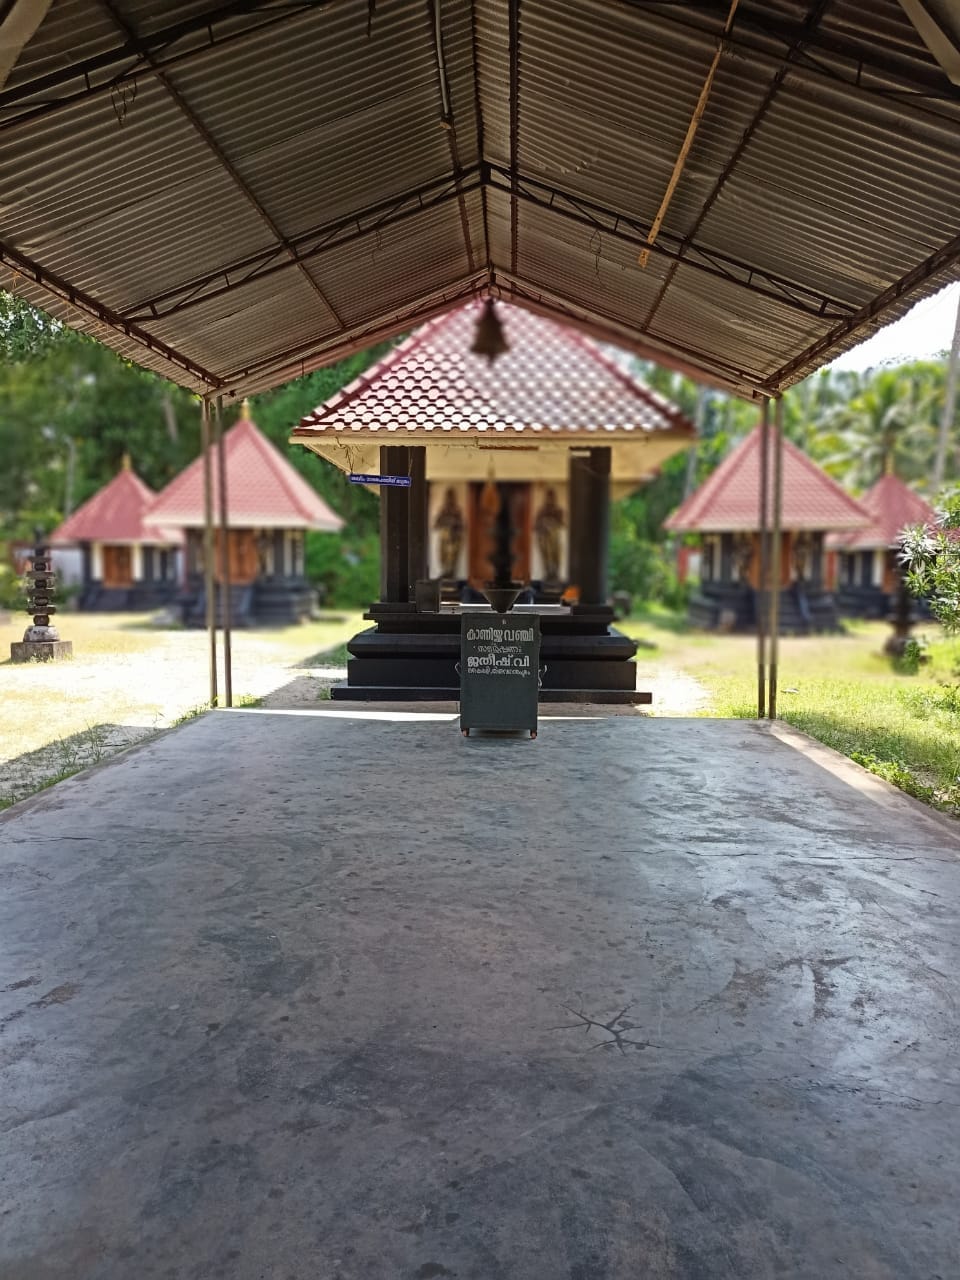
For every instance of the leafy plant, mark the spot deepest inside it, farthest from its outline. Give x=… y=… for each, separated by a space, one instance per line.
x=894 y=771
x=908 y=662
x=932 y=561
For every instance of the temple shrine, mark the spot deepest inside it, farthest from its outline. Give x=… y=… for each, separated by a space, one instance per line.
x=867 y=568
x=126 y=563
x=725 y=513
x=513 y=463
x=271 y=507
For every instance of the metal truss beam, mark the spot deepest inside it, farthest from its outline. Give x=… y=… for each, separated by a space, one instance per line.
x=629 y=231
x=865 y=67
x=695 y=364
x=942 y=260
x=108 y=70
x=302 y=248
x=814 y=15
x=296 y=361
x=88 y=305
x=226 y=164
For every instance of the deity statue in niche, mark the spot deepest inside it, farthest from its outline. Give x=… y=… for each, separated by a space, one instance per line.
x=449 y=524
x=548 y=526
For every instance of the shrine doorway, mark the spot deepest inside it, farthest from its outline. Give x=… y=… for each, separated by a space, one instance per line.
x=117 y=567
x=485 y=501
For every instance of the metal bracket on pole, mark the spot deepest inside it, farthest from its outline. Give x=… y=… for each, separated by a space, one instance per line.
x=225 y=591
x=775 y=558
x=209 y=582
x=762 y=589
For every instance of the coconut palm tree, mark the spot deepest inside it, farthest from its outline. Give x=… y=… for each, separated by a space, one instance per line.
x=888 y=423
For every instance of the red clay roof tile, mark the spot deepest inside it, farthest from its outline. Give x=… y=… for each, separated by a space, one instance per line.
x=116 y=513
x=552 y=379
x=729 y=499
x=893 y=506
x=263 y=489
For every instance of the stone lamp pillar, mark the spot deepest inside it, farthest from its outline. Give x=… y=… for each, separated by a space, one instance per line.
x=41 y=641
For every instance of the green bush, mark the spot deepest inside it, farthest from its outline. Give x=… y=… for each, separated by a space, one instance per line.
x=12 y=594
x=642 y=568
x=345 y=568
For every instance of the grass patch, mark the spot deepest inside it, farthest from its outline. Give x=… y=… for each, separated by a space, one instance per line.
x=901 y=723
x=338 y=656
x=904 y=728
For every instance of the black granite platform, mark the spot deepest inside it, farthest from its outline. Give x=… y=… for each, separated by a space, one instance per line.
x=411 y=656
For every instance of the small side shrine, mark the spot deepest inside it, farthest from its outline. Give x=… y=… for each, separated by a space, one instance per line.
x=868 y=581
x=725 y=512
x=514 y=451
x=126 y=564
x=271 y=507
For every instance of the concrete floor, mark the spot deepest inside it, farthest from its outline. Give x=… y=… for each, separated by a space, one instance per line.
x=303 y=997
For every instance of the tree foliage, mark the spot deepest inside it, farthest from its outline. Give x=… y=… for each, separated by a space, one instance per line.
x=70 y=409
x=932 y=561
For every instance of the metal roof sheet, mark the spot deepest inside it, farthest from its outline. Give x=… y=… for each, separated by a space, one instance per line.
x=232 y=193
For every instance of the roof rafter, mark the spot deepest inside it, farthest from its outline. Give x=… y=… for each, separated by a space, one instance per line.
x=696 y=364
x=628 y=230
x=450 y=125
x=226 y=164
x=85 y=303
x=814 y=14
x=301 y=248
x=750 y=33
x=136 y=48
x=280 y=366
x=942 y=260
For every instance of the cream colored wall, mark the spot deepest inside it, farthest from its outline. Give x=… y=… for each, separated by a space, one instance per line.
x=136 y=561
x=96 y=561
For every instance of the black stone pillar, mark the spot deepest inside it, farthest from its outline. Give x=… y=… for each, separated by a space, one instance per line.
x=419 y=530
x=279 y=554
x=394 y=527
x=86 y=552
x=590 y=523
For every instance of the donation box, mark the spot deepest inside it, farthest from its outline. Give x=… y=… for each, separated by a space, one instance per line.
x=499 y=671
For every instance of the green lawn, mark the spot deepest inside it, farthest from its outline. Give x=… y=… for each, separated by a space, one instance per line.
x=839 y=689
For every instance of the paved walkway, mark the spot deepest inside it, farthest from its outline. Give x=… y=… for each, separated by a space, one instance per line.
x=313 y=996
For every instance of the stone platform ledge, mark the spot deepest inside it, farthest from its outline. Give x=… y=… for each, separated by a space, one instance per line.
x=40 y=650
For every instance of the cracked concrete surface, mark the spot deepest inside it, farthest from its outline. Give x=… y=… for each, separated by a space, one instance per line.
x=327 y=997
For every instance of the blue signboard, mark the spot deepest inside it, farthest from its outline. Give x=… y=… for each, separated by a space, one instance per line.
x=399 y=482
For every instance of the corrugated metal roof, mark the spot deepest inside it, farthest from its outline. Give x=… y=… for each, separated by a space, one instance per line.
x=231 y=193
x=264 y=491
x=729 y=499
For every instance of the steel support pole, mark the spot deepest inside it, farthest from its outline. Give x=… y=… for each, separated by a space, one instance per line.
x=775 y=558
x=225 y=592
x=764 y=548
x=208 y=574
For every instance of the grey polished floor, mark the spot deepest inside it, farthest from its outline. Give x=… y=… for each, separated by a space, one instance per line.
x=289 y=997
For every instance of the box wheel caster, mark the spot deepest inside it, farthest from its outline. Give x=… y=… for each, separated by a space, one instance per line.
x=465 y=732
x=533 y=733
